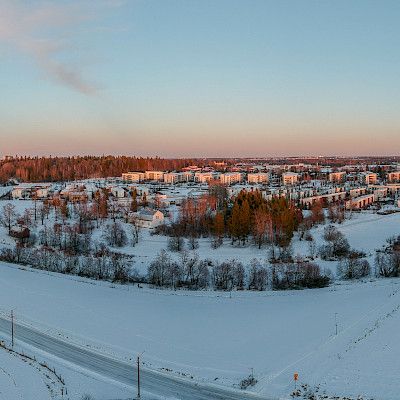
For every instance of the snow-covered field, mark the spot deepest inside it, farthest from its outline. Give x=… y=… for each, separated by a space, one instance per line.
x=20 y=380
x=219 y=337
x=365 y=231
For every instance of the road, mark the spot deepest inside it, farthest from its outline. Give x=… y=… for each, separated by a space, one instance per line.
x=153 y=382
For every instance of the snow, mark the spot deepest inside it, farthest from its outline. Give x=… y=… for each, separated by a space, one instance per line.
x=5 y=190
x=216 y=335
x=20 y=379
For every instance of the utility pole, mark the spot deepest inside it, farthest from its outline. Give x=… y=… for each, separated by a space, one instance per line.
x=138 y=377
x=12 y=328
x=336 y=326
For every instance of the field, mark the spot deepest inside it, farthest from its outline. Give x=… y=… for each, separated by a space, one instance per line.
x=220 y=337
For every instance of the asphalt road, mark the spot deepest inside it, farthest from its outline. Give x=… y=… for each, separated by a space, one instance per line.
x=153 y=382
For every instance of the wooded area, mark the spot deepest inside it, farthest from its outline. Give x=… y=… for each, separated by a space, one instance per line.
x=53 y=169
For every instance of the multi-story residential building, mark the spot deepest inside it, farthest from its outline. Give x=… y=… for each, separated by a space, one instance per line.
x=133 y=176
x=172 y=177
x=205 y=177
x=230 y=178
x=154 y=175
x=260 y=177
x=337 y=177
x=368 y=178
x=290 y=178
x=393 y=176
x=178 y=177
x=326 y=198
x=361 y=202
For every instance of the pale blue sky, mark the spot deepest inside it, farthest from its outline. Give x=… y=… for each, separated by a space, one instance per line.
x=200 y=78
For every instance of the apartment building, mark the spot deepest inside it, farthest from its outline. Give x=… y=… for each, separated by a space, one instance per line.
x=361 y=202
x=178 y=177
x=133 y=176
x=368 y=178
x=154 y=175
x=258 y=178
x=337 y=177
x=393 y=176
x=230 y=178
x=290 y=178
x=205 y=177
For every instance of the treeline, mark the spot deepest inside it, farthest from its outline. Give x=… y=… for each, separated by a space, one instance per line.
x=387 y=259
x=190 y=272
x=101 y=264
x=248 y=216
x=52 y=169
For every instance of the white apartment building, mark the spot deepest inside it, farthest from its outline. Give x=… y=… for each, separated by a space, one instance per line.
x=204 y=177
x=290 y=178
x=172 y=177
x=393 y=176
x=177 y=177
x=368 y=178
x=337 y=177
x=230 y=178
x=133 y=176
x=154 y=175
x=361 y=202
x=328 y=198
x=260 y=177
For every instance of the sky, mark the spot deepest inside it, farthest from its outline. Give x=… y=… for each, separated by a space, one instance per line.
x=204 y=78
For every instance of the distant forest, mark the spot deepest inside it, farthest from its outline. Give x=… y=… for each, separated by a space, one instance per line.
x=53 y=169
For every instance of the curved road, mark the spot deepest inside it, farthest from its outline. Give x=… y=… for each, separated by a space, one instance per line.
x=151 y=381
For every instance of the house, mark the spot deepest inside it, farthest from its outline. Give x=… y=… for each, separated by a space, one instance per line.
x=161 y=200
x=78 y=196
x=20 y=232
x=147 y=218
x=30 y=191
x=118 y=192
x=21 y=192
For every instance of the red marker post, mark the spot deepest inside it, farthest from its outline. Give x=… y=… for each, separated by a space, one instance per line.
x=295 y=378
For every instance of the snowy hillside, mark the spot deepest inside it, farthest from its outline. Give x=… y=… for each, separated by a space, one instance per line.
x=22 y=379
x=218 y=337
x=221 y=337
